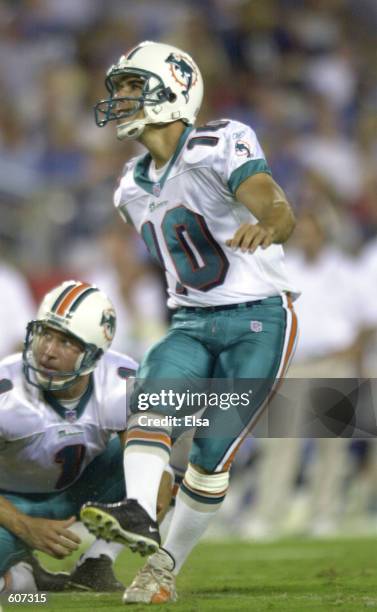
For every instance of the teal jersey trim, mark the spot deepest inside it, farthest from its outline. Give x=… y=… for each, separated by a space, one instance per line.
x=54 y=403
x=247 y=169
x=141 y=177
x=164 y=447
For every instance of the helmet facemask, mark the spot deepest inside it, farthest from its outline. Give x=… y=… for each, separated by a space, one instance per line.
x=153 y=94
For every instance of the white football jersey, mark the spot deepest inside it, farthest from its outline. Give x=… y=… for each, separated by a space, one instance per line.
x=44 y=447
x=186 y=215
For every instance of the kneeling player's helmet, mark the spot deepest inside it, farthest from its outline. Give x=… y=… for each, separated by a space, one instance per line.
x=172 y=89
x=81 y=311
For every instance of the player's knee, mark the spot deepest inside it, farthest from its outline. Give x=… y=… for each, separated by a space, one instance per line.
x=200 y=469
x=207 y=483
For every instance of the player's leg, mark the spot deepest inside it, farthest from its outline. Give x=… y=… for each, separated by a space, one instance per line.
x=258 y=358
x=18 y=579
x=155 y=582
x=246 y=355
x=178 y=462
x=180 y=357
x=12 y=550
x=102 y=480
x=19 y=571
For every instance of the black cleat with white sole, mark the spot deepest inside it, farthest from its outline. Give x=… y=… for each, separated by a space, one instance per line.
x=95 y=574
x=47 y=581
x=125 y=522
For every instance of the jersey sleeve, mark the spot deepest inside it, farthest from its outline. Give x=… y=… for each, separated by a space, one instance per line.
x=7 y=407
x=125 y=190
x=239 y=155
x=6 y=386
x=119 y=204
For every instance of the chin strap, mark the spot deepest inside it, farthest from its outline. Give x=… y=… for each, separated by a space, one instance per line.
x=131 y=129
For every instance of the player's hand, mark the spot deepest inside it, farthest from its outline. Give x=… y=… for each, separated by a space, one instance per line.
x=164 y=495
x=50 y=536
x=249 y=237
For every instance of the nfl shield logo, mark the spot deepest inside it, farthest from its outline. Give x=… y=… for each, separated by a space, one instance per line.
x=156 y=189
x=256 y=326
x=70 y=415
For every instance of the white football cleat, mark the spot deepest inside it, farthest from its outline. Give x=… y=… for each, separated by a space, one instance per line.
x=154 y=583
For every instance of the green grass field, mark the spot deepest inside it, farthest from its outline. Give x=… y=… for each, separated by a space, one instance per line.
x=289 y=575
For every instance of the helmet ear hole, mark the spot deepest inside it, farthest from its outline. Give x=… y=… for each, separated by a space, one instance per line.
x=92 y=356
x=172 y=97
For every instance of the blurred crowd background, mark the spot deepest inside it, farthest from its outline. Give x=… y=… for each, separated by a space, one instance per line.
x=301 y=73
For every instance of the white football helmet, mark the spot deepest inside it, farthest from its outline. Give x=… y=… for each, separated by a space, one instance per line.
x=172 y=89
x=79 y=310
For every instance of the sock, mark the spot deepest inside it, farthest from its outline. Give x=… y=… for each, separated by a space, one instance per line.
x=189 y=522
x=101 y=547
x=19 y=579
x=144 y=487
x=165 y=525
x=147 y=449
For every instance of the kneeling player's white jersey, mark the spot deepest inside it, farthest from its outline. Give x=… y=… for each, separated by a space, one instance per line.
x=187 y=210
x=45 y=446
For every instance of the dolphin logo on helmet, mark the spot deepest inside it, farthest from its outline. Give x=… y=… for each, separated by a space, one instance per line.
x=108 y=323
x=183 y=72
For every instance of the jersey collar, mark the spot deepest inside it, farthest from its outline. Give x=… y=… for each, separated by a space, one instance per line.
x=141 y=177
x=55 y=404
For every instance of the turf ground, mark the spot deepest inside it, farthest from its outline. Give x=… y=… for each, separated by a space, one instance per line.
x=289 y=575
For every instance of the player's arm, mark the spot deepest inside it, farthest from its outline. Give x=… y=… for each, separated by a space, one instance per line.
x=268 y=203
x=49 y=536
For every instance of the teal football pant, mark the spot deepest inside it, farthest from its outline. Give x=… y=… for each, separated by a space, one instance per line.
x=102 y=480
x=250 y=342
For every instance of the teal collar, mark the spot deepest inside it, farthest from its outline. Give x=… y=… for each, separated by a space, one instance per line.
x=62 y=412
x=141 y=177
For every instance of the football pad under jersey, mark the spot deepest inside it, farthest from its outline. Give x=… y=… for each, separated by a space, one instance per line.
x=187 y=215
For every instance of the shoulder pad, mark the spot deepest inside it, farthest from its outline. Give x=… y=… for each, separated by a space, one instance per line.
x=223 y=128
x=130 y=165
x=127 y=188
x=112 y=362
x=10 y=370
x=213 y=140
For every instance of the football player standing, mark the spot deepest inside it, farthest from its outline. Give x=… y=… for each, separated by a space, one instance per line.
x=210 y=213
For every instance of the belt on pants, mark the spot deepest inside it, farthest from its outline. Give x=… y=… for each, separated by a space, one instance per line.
x=224 y=306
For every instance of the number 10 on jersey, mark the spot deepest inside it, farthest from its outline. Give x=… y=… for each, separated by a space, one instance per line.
x=199 y=261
